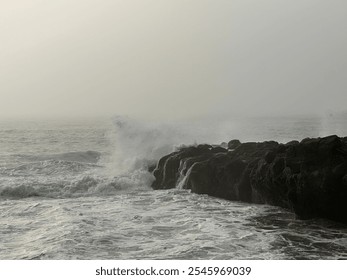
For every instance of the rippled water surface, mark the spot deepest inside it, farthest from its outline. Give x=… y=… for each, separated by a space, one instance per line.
x=61 y=197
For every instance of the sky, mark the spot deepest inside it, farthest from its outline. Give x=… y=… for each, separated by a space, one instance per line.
x=172 y=58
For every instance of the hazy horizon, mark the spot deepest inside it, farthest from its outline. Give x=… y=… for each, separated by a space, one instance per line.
x=172 y=59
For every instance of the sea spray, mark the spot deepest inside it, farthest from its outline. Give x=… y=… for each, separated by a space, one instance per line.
x=139 y=143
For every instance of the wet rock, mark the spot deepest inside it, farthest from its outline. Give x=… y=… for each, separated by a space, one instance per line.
x=308 y=177
x=292 y=143
x=270 y=156
x=233 y=144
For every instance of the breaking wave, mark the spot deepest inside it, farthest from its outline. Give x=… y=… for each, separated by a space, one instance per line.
x=82 y=186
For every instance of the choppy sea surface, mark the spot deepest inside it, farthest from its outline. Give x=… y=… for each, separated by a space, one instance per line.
x=80 y=190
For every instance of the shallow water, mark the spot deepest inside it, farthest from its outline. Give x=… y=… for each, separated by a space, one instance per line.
x=61 y=198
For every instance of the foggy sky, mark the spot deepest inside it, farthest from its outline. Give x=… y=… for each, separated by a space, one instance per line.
x=172 y=58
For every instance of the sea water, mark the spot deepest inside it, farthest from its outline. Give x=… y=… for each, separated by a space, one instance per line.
x=80 y=189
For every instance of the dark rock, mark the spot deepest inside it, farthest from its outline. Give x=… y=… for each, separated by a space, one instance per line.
x=340 y=170
x=292 y=143
x=166 y=172
x=281 y=148
x=344 y=181
x=233 y=144
x=204 y=147
x=218 y=150
x=278 y=166
x=151 y=168
x=308 y=177
x=270 y=156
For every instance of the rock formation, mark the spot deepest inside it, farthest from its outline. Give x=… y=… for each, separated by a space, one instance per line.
x=308 y=177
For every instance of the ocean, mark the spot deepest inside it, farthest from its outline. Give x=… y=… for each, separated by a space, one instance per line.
x=80 y=189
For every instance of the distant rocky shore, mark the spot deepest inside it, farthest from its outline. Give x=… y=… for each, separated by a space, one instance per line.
x=307 y=177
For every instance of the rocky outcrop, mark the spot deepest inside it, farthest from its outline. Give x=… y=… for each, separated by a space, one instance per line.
x=308 y=177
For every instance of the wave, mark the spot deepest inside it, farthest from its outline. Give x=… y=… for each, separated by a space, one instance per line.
x=82 y=186
x=47 y=168
x=141 y=143
x=84 y=156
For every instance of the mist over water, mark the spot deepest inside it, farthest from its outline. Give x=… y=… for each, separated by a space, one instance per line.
x=81 y=190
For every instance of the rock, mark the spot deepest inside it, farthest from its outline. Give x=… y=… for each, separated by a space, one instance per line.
x=270 y=156
x=340 y=170
x=204 y=147
x=344 y=181
x=307 y=177
x=291 y=143
x=233 y=144
x=278 y=166
x=219 y=150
